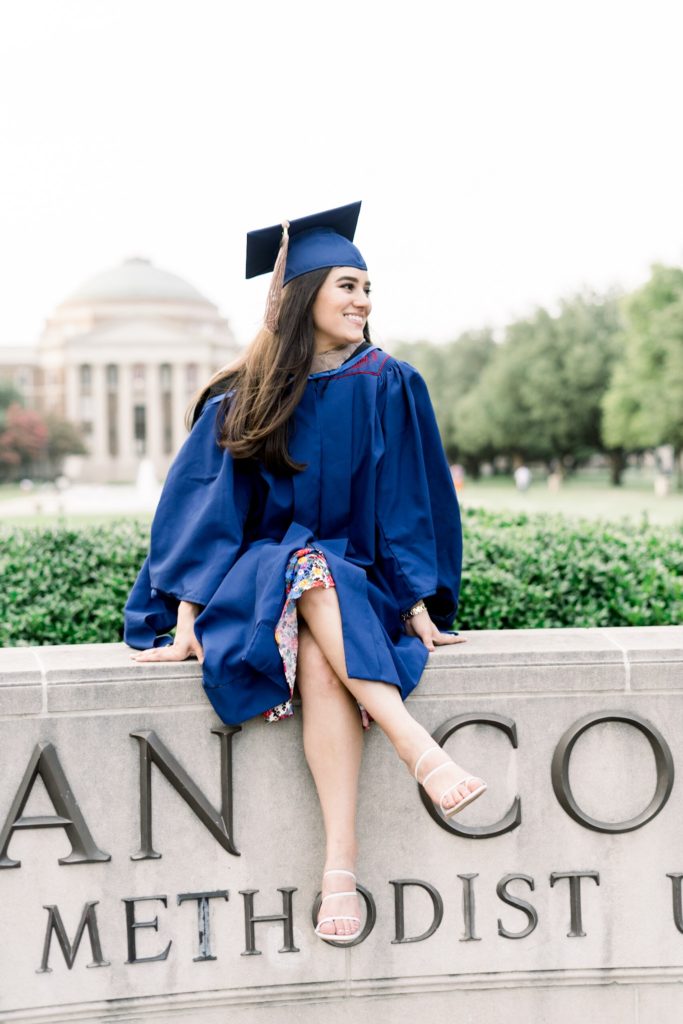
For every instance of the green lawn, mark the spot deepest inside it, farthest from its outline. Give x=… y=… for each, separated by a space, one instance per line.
x=583 y=496
x=27 y=516
x=101 y=519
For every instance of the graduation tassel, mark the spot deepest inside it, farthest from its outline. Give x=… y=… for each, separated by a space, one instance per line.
x=277 y=282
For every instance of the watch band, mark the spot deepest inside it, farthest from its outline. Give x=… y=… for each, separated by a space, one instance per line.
x=418 y=607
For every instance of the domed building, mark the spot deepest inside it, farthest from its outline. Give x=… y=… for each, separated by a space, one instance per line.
x=121 y=357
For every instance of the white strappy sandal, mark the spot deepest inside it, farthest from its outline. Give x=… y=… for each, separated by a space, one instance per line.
x=331 y=936
x=448 y=812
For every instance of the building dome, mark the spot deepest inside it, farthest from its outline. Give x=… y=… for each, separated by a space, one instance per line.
x=136 y=280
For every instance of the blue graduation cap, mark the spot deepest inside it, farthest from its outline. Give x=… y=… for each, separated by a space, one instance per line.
x=294 y=248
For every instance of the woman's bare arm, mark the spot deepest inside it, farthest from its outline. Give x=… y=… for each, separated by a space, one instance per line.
x=185 y=644
x=421 y=625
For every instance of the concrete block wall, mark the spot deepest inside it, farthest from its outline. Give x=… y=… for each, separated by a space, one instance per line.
x=557 y=897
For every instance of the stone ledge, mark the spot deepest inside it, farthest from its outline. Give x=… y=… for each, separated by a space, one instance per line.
x=21 y=682
x=293 y=1000
x=91 y=711
x=88 y=677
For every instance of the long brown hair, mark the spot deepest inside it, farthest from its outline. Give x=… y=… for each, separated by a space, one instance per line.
x=268 y=381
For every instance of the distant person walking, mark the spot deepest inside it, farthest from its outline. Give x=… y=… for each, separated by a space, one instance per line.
x=458 y=475
x=522 y=475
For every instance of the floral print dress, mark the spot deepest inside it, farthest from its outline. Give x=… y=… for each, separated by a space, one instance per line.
x=306 y=568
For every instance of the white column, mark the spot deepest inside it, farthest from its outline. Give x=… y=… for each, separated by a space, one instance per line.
x=127 y=456
x=71 y=403
x=100 y=448
x=153 y=403
x=179 y=404
x=205 y=372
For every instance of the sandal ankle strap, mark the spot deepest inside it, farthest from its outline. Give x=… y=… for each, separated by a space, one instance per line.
x=422 y=757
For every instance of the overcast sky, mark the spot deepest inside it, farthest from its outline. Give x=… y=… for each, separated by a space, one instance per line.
x=507 y=153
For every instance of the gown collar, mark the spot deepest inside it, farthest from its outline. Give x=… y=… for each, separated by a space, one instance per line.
x=362 y=351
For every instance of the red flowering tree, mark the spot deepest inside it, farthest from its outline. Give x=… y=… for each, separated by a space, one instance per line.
x=23 y=441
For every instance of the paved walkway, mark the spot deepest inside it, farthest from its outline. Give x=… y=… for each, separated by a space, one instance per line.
x=82 y=499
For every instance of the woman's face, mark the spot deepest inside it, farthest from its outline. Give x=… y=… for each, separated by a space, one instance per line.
x=341 y=308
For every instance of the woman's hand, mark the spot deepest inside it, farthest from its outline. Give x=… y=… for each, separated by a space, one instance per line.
x=185 y=644
x=421 y=625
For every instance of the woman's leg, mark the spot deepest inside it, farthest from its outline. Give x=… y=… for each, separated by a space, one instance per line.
x=333 y=744
x=320 y=610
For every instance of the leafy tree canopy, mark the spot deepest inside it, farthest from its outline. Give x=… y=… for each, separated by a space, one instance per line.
x=539 y=397
x=451 y=371
x=8 y=396
x=643 y=406
x=22 y=441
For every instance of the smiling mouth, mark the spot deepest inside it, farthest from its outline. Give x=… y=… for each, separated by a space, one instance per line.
x=355 y=318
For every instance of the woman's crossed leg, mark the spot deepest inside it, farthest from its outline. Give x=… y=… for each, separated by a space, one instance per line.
x=333 y=738
x=333 y=744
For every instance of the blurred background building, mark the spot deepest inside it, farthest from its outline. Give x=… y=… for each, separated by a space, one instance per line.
x=121 y=358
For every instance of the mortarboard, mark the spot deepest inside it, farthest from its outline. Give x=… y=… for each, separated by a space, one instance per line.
x=296 y=247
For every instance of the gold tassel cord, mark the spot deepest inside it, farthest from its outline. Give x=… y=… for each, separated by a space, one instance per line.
x=272 y=316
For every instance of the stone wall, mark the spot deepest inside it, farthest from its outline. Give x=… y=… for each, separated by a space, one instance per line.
x=555 y=898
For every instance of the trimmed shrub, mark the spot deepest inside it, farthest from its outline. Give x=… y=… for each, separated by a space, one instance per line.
x=68 y=585
x=533 y=572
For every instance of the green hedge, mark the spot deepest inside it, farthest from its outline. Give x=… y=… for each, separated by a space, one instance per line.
x=67 y=586
x=64 y=585
x=533 y=572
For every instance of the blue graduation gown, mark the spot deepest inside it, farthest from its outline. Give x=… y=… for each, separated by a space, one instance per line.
x=376 y=497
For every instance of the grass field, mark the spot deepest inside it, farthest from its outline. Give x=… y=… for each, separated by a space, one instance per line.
x=578 y=497
x=585 y=495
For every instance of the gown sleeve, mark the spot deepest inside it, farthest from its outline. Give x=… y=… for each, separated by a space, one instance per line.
x=197 y=534
x=419 y=535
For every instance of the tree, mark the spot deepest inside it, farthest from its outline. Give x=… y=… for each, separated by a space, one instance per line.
x=63 y=438
x=450 y=371
x=643 y=406
x=8 y=396
x=31 y=443
x=540 y=396
x=22 y=441
x=491 y=419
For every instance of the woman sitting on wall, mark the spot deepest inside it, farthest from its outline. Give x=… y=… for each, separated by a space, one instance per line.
x=309 y=533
